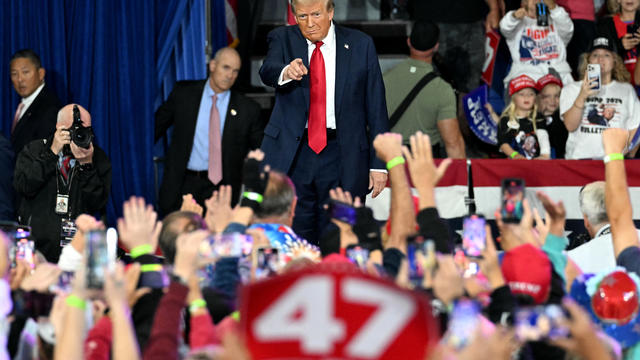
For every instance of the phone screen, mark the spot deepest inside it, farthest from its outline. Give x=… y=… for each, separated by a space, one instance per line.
x=343 y=212
x=421 y=255
x=541 y=322
x=23 y=250
x=98 y=258
x=268 y=262
x=358 y=255
x=225 y=245
x=463 y=322
x=513 y=192
x=474 y=235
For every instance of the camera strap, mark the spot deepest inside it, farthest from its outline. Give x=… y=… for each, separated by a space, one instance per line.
x=397 y=114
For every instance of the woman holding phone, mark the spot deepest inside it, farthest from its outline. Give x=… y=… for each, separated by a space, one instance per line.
x=623 y=28
x=604 y=98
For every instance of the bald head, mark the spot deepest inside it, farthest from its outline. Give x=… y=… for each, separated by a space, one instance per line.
x=65 y=117
x=226 y=51
x=224 y=69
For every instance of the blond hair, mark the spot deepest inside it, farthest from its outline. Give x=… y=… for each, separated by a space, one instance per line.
x=293 y=3
x=510 y=113
x=619 y=72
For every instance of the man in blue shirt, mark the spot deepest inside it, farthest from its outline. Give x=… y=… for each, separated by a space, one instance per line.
x=208 y=143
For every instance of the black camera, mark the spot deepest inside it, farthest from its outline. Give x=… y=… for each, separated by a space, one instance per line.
x=542 y=14
x=80 y=135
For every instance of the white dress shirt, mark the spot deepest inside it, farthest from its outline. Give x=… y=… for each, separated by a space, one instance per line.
x=328 y=50
x=29 y=100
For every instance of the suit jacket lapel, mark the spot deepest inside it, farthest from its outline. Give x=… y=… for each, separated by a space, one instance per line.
x=301 y=51
x=343 y=56
x=229 y=123
x=27 y=114
x=192 y=118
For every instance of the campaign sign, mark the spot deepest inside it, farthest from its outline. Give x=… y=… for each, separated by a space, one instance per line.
x=478 y=116
x=335 y=311
x=491 y=50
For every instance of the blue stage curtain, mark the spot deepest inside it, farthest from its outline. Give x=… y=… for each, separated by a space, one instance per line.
x=118 y=59
x=218 y=25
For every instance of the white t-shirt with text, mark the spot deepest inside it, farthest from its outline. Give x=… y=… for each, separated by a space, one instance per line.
x=615 y=105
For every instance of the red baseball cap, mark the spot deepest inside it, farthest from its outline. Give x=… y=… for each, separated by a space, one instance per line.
x=546 y=80
x=527 y=270
x=521 y=82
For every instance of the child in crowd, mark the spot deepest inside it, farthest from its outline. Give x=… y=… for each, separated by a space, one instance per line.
x=589 y=106
x=549 y=88
x=521 y=135
x=537 y=45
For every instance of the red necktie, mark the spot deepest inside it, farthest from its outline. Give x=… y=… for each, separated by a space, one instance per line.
x=215 y=143
x=64 y=169
x=317 y=101
x=16 y=117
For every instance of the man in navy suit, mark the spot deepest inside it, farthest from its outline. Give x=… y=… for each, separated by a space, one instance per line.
x=330 y=105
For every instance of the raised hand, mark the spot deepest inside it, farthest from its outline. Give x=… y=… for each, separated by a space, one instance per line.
x=388 y=146
x=615 y=140
x=190 y=204
x=186 y=260
x=556 y=214
x=344 y=196
x=219 y=211
x=139 y=226
x=423 y=170
x=84 y=156
x=84 y=224
x=448 y=283
x=44 y=275
x=61 y=138
x=513 y=235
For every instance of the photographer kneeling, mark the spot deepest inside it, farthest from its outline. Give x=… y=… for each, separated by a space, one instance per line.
x=59 y=178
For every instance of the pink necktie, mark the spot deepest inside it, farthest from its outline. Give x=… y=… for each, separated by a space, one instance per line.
x=215 y=144
x=16 y=117
x=317 y=101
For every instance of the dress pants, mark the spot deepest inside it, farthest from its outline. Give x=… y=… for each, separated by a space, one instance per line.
x=313 y=176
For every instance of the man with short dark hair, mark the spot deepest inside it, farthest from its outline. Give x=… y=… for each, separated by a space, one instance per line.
x=433 y=109
x=35 y=116
x=213 y=130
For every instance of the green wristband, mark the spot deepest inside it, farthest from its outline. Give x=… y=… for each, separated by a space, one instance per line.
x=513 y=154
x=253 y=196
x=141 y=250
x=150 y=267
x=612 y=157
x=235 y=315
x=76 y=302
x=197 y=304
x=395 y=162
